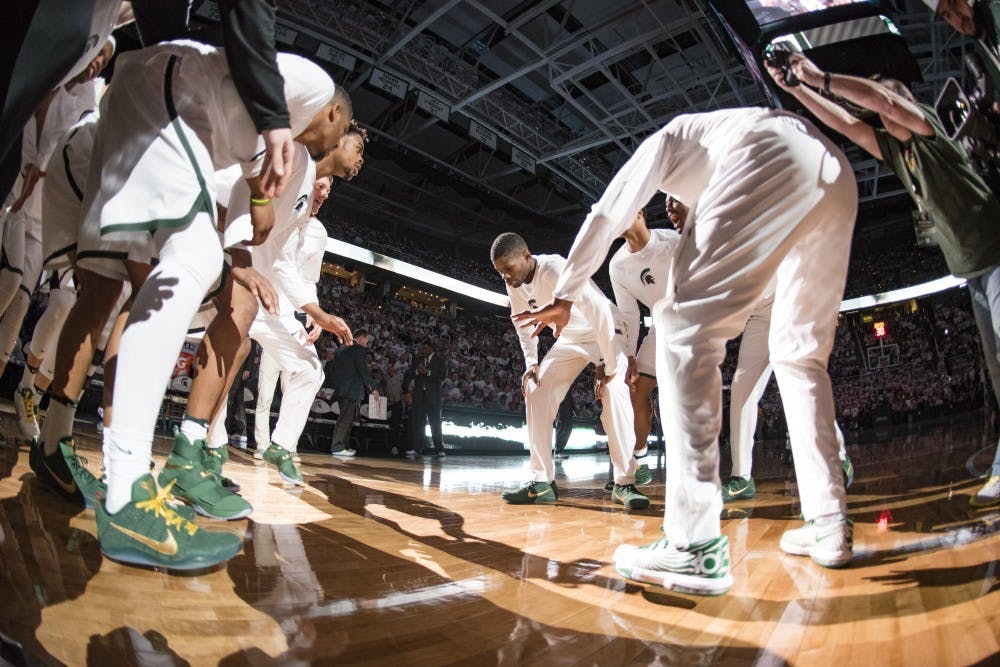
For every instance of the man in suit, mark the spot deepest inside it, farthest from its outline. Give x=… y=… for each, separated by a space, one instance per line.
x=426 y=371
x=351 y=379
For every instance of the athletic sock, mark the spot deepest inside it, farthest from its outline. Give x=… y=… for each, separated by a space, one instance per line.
x=128 y=460
x=28 y=377
x=640 y=456
x=58 y=423
x=194 y=429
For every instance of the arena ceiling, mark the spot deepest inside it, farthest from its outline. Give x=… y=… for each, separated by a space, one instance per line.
x=498 y=115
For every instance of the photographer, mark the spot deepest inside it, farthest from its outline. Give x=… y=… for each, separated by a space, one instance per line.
x=979 y=19
x=936 y=172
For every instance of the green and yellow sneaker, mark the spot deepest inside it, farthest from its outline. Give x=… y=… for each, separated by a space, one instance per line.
x=281 y=459
x=738 y=488
x=643 y=475
x=198 y=486
x=848 y=468
x=54 y=473
x=27 y=412
x=88 y=484
x=700 y=569
x=148 y=531
x=214 y=458
x=627 y=495
x=538 y=493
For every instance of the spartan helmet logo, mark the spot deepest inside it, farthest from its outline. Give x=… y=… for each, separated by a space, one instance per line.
x=301 y=202
x=532 y=303
x=647 y=277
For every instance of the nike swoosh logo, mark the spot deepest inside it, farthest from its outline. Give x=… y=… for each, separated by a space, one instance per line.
x=738 y=491
x=69 y=488
x=532 y=494
x=167 y=546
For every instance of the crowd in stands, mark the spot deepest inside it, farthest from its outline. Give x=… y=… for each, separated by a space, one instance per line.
x=936 y=367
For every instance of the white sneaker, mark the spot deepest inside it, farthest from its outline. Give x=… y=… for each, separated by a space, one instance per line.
x=701 y=569
x=831 y=543
x=24 y=404
x=411 y=454
x=259 y=453
x=345 y=453
x=988 y=495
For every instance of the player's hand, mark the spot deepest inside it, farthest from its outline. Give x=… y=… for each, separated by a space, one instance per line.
x=277 y=160
x=262 y=219
x=32 y=174
x=530 y=375
x=600 y=379
x=313 y=330
x=338 y=327
x=258 y=285
x=556 y=314
x=632 y=374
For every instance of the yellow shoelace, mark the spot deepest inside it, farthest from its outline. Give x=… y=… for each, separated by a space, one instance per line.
x=161 y=506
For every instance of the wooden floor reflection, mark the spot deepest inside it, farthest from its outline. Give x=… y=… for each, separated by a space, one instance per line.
x=398 y=562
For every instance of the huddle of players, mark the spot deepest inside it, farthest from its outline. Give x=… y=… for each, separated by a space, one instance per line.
x=165 y=201
x=763 y=251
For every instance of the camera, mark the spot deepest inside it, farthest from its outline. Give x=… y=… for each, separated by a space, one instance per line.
x=969 y=118
x=778 y=56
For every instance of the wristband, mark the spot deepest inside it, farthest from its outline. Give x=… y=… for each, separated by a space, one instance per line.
x=826 y=83
x=260 y=202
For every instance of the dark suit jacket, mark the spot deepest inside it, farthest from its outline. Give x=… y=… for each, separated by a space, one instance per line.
x=349 y=372
x=430 y=381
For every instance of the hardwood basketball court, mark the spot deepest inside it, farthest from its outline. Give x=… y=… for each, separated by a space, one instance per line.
x=389 y=561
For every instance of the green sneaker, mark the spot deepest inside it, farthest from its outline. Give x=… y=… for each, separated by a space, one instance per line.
x=281 y=459
x=700 y=569
x=54 y=472
x=193 y=483
x=148 y=531
x=738 y=488
x=848 y=468
x=88 y=484
x=214 y=458
x=538 y=493
x=643 y=475
x=627 y=495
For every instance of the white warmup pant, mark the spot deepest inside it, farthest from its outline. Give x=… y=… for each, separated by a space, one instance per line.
x=267 y=379
x=782 y=204
x=61 y=300
x=20 y=267
x=284 y=339
x=560 y=367
x=753 y=372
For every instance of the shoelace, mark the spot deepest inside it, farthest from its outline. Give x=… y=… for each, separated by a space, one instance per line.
x=79 y=464
x=161 y=505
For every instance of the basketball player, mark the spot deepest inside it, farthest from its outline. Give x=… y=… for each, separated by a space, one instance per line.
x=292 y=261
x=589 y=337
x=21 y=259
x=770 y=196
x=172 y=109
x=639 y=272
